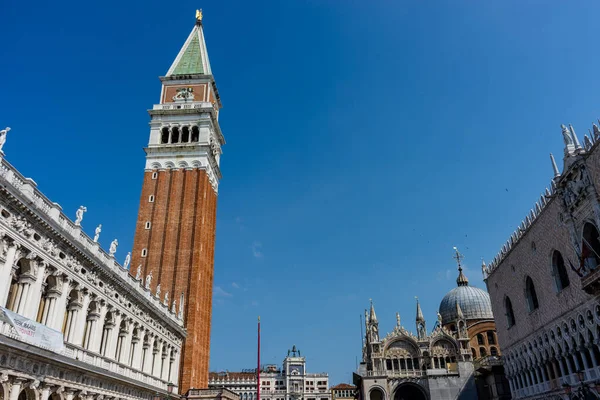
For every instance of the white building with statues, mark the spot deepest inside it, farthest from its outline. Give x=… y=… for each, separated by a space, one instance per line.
x=74 y=324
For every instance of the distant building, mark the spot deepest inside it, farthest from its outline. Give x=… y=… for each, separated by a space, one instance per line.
x=343 y=391
x=292 y=382
x=438 y=365
x=545 y=281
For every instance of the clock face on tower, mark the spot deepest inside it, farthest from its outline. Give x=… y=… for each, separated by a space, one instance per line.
x=296 y=370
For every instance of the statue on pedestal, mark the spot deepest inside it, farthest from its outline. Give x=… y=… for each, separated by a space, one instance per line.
x=3 y=133
x=113 y=247
x=97 y=233
x=79 y=215
x=148 y=280
x=127 y=260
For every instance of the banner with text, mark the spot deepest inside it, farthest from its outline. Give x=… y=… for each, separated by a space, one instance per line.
x=33 y=332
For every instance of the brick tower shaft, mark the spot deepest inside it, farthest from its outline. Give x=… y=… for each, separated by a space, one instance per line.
x=175 y=231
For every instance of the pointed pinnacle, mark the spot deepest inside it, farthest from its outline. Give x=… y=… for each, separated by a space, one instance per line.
x=554 y=166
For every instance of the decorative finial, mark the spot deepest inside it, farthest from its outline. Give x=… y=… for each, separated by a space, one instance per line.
x=462 y=279
x=554 y=166
x=574 y=136
x=398 y=319
x=199 y=15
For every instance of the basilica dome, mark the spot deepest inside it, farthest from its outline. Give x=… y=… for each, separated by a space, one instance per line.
x=474 y=303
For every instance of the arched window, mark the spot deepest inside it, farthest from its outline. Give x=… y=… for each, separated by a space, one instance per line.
x=482 y=352
x=493 y=351
x=185 y=134
x=590 y=247
x=195 y=134
x=491 y=337
x=474 y=353
x=164 y=137
x=561 y=278
x=175 y=135
x=510 y=315
x=480 y=339
x=530 y=294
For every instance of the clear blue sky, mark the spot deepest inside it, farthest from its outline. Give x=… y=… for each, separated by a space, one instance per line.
x=364 y=140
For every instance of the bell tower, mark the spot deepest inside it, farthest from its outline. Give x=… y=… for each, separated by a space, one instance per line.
x=175 y=231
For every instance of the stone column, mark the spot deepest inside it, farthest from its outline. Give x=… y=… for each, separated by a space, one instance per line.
x=114 y=336
x=126 y=344
x=99 y=328
x=15 y=388
x=586 y=365
x=35 y=292
x=88 y=332
x=139 y=349
x=6 y=273
x=23 y=295
x=562 y=368
x=81 y=320
x=49 y=306
x=537 y=374
x=553 y=363
x=45 y=392
x=576 y=361
x=174 y=378
x=147 y=359
x=60 y=306
x=590 y=349
x=166 y=365
x=156 y=353
x=72 y=314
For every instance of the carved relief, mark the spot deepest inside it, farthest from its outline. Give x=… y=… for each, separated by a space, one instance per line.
x=21 y=225
x=575 y=189
x=184 y=94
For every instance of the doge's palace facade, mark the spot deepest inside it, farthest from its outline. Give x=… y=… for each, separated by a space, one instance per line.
x=76 y=325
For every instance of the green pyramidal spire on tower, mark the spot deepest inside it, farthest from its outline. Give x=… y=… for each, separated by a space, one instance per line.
x=193 y=57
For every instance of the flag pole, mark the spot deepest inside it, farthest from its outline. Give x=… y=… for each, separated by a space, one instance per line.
x=258 y=364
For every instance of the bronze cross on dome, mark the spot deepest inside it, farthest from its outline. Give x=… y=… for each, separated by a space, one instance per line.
x=458 y=257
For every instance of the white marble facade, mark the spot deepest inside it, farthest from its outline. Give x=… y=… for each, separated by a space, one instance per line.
x=120 y=342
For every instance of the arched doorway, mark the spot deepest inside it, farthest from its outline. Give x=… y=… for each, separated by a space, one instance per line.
x=376 y=394
x=410 y=391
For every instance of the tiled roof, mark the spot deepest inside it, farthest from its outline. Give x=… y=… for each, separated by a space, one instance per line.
x=343 y=386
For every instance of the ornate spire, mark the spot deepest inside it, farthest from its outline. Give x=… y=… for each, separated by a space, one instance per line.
x=554 y=166
x=420 y=317
x=372 y=316
x=398 y=320
x=462 y=279
x=596 y=132
x=193 y=56
x=575 y=139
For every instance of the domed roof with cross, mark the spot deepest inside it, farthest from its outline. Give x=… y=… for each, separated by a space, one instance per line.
x=475 y=303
